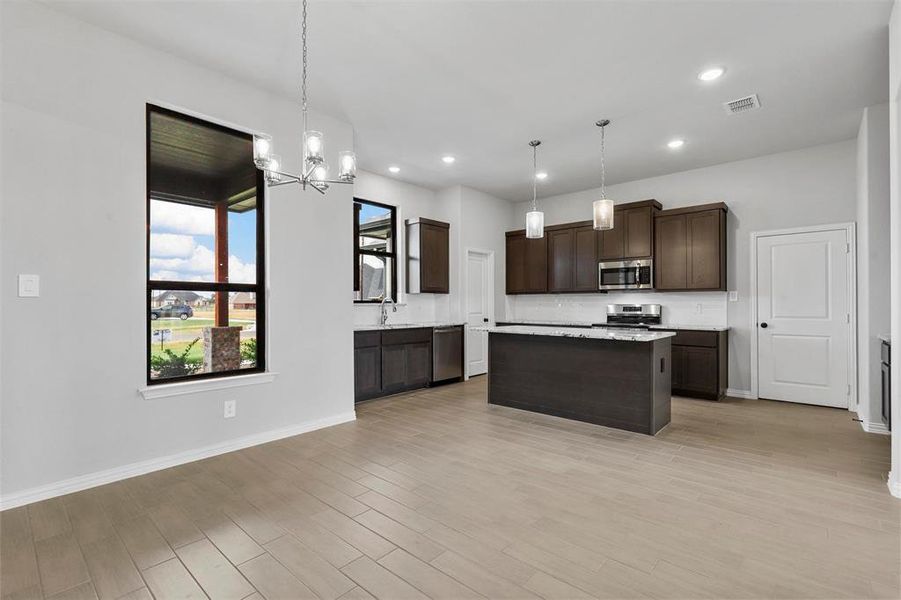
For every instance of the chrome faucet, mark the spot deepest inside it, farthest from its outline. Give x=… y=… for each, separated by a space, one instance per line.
x=384 y=319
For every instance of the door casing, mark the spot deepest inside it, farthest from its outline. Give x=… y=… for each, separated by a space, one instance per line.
x=850 y=230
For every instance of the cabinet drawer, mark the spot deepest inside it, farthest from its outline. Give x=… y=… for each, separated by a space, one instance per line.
x=705 y=339
x=367 y=339
x=406 y=336
x=886 y=353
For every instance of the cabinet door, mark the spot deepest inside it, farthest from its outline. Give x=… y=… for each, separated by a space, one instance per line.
x=536 y=265
x=560 y=260
x=638 y=224
x=435 y=258
x=394 y=368
x=367 y=372
x=671 y=256
x=700 y=370
x=585 y=249
x=678 y=366
x=704 y=250
x=611 y=243
x=516 y=264
x=418 y=359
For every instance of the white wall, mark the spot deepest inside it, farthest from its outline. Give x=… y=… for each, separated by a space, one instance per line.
x=804 y=187
x=873 y=293
x=411 y=201
x=895 y=176
x=73 y=206
x=477 y=220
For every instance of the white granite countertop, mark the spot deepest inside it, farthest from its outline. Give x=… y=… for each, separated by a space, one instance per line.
x=885 y=338
x=623 y=335
x=390 y=325
x=692 y=327
x=667 y=326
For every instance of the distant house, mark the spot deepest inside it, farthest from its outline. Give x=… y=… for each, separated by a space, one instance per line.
x=169 y=298
x=243 y=301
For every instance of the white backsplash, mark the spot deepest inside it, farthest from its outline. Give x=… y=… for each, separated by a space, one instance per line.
x=679 y=308
x=413 y=308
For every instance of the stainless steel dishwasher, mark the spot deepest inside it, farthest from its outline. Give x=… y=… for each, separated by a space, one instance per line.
x=447 y=353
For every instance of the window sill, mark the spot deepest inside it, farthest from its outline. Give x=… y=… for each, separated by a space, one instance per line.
x=165 y=390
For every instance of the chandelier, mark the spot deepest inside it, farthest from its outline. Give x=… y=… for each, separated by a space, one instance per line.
x=535 y=218
x=315 y=170
x=602 y=208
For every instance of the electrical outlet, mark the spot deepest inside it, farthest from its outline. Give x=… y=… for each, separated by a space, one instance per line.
x=699 y=308
x=231 y=406
x=733 y=296
x=29 y=286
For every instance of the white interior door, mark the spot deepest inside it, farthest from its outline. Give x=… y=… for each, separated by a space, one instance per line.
x=479 y=309
x=803 y=317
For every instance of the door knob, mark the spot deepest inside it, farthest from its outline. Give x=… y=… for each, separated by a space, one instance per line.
x=764 y=325
x=484 y=319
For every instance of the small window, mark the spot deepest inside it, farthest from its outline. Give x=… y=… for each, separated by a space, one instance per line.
x=205 y=300
x=375 y=246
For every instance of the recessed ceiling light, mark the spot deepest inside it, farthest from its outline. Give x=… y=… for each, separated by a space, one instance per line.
x=711 y=74
x=542 y=175
x=394 y=169
x=448 y=160
x=673 y=144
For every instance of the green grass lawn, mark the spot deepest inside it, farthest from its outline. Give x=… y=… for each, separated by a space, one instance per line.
x=196 y=352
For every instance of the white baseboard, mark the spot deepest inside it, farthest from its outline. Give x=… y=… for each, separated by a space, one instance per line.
x=894 y=486
x=746 y=394
x=879 y=428
x=83 y=482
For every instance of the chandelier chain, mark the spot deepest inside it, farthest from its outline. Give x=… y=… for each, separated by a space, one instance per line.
x=603 y=164
x=535 y=177
x=303 y=39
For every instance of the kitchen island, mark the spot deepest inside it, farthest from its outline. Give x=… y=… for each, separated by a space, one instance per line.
x=618 y=379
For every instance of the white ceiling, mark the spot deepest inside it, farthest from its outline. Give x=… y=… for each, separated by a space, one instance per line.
x=480 y=79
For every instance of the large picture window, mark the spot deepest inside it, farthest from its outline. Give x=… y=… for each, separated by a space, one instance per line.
x=375 y=248
x=205 y=255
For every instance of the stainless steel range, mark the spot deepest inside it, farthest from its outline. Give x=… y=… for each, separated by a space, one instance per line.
x=640 y=316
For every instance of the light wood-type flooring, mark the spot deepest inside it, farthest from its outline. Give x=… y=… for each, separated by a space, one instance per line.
x=437 y=494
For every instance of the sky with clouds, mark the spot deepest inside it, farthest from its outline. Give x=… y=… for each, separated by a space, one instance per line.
x=182 y=243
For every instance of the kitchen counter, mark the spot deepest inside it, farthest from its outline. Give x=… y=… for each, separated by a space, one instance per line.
x=618 y=378
x=598 y=333
x=389 y=326
x=691 y=327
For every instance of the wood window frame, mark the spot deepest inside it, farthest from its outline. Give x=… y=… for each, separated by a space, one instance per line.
x=258 y=288
x=357 y=252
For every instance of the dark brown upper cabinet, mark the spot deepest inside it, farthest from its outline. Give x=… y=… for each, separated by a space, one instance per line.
x=690 y=248
x=428 y=256
x=572 y=258
x=632 y=235
x=527 y=266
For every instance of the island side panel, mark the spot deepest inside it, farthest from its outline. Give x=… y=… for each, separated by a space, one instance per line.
x=604 y=382
x=661 y=375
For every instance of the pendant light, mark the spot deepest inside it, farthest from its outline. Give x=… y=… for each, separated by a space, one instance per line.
x=314 y=171
x=603 y=208
x=535 y=218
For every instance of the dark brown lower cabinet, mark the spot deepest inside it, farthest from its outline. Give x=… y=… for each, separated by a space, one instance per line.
x=388 y=362
x=700 y=364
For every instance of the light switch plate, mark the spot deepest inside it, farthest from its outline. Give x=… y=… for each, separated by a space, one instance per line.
x=230 y=408
x=29 y=286
x=733 y=296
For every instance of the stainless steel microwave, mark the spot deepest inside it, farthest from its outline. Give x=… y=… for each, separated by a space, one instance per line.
x=626 y=275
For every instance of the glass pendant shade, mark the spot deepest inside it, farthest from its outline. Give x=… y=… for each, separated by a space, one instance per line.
x=273 y=164
x=319 y=176
x=534 y=224
x=347 y=166
x=312 y=147
x=262 y=149
x=603 y=214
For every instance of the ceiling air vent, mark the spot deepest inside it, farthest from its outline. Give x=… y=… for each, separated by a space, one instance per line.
x=733 y=107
